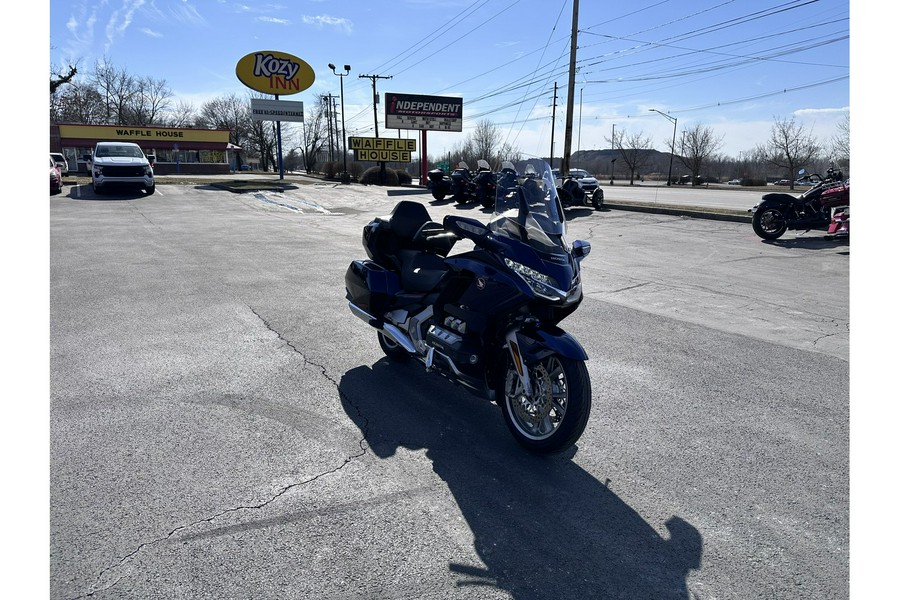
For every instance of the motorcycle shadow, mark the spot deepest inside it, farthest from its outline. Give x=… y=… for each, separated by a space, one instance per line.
x=474 y=206
x=543 y=526
x=435 y=202
x=811 y=243
x=573 y=213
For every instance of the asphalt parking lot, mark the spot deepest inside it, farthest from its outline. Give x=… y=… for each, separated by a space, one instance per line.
x=222 y=427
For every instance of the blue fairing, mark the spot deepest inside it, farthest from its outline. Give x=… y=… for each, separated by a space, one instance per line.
x=467 y=262
x=536 y=343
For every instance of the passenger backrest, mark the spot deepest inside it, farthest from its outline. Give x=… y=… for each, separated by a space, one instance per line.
x=407 y=217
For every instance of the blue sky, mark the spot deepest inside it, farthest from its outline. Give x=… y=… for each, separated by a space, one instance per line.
x=733 y=65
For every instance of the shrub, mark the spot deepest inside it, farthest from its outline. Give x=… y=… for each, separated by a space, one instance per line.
x=372 y=176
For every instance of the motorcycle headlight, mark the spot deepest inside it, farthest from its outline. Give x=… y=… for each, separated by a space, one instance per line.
x=541 y=284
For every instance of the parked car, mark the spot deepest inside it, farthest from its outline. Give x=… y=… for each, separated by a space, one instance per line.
x=587 y=181
x=734 y=182
x=55 y=178
x=246 y=168
x=120 y=164
x=61 y=162
x=784 y=182
x=558 y=177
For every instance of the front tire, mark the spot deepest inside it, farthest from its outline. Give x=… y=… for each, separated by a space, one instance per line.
x=597 y=199
x=769 y=223
x=96 y=188
x=555 y=416
x=150 y=189
x=392 y=349
x=438 y=195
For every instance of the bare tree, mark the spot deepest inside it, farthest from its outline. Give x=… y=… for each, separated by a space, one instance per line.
x=232 y=113
x=485 y=141
x=116 y=88
x=128 y=99
x=840 y=143
x=696 y=145
x=315 y=136
x=183 y=114
x=635 y=150
x=61 y=76
x=77 y=103
x=58 y=79
x=149 y=102
x=791 y=147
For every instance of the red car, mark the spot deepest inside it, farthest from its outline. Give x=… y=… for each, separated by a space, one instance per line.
x=55 y=178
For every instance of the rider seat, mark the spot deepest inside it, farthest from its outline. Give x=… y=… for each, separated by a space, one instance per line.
x=399 y=242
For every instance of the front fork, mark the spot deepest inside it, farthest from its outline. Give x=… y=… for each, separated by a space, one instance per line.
x=519 y=361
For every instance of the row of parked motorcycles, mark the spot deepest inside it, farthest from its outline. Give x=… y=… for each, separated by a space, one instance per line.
x=479 y=186
x=825 y=206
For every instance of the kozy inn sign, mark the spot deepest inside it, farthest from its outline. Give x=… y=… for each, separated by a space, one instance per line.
x=272 y=72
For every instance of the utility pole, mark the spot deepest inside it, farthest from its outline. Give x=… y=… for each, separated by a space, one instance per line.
x=553 y=127
x=570 y=100
x=334 y=115
x=328 y=100
x=374 y=78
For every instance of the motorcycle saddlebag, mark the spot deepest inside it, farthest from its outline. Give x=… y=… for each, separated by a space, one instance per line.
x=370 y=286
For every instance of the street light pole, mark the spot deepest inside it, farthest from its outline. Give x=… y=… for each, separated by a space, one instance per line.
x=344 y=176
x=674 y=121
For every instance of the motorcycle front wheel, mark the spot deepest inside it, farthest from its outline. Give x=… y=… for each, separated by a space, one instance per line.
x=769 y=223
x=438 y=195
x=555 y=415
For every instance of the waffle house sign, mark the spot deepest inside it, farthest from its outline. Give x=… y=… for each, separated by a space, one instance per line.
x=272 y=72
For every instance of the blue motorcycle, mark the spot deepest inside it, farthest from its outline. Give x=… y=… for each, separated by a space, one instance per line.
x=486 y=318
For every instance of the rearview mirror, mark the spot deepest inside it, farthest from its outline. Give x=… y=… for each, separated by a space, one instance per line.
x=580 y=249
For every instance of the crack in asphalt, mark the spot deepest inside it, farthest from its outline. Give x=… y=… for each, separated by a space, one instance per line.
x=95 y=588
x=828 y=335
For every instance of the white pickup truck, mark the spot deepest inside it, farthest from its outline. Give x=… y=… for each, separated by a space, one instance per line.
x=116 y=164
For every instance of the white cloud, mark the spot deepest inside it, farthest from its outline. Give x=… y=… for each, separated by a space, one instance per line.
x=149 y=32
x=812 y=112
x=120 y=20
x=322 y=20
x=273 y=20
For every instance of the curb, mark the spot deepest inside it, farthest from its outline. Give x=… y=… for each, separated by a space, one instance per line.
x=692 y=212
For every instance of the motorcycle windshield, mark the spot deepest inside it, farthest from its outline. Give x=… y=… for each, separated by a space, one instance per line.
x=526 y=207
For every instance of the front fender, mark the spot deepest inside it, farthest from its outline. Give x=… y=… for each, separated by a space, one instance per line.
x=778 y=199
x=537 y=342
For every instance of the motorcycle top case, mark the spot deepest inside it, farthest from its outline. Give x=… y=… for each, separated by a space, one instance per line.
x=378 y=241
x=370 y=286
